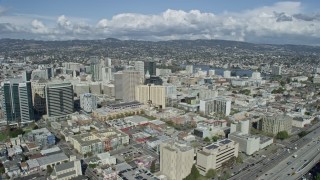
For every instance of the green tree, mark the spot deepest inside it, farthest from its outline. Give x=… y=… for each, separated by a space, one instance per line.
x=92 y=166
x=239 y=159
x=215 y=138
x=206 y=139
x=153 y=167
x=15 y=132
x=282 y=135
x=194 y=174
x=2 y=170
x=317 y=176
x=211 y=173
x=49 y=169
x=302 y=133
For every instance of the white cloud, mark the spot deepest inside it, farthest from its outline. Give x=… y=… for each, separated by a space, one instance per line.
x=281 y=21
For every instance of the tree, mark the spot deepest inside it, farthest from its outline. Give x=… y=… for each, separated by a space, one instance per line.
x=211 y=173
x=215 y=138
x=239 y=159
x=194 y=174
x=206 y=139
x=153 y=166
x=302 y=133
x=49 y=169
x=317 y=176
x=282 y=135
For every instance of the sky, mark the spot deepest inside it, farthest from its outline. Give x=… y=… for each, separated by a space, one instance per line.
x=258 y=21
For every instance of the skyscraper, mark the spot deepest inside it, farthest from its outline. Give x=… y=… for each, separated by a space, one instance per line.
x=125 y=84
x=139 y=66
x=150 y=66
x=25 y=98
x=39 y=96
x=107 y=71
x=96 y=68
x=17 y=99
x=59 y=97
x=26 y=76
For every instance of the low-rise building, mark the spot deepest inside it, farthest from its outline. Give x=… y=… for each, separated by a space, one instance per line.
x=67 y=170
x=41 y=137
x=274 y=123
x=213 y=155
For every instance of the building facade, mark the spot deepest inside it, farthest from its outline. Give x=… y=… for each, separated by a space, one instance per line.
x=217 y=105
x=214 y=155
x=39 y=96
x=88 y=102
x=153 y=94
x=176 y=160
x=17 y=102
x=274 y=123
x=125 y=85
x=59 y=99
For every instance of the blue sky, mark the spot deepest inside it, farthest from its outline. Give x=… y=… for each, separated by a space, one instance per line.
x=269 y=21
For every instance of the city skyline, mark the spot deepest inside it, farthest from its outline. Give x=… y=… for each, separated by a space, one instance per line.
x=279 y=22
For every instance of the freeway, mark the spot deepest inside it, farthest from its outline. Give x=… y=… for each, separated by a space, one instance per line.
x=294 y=168
x=262 y=169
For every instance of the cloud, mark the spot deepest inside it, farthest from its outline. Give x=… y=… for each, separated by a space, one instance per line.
x=284 y=22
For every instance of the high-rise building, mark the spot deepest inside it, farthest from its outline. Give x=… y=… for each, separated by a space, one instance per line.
x=156 y=80
x=39 y=96
x=217 y=105
x=118 y=85
x=88 y=102
x=274 y=123
x=72 y=66
x=59 y=98
x=154 y=94
x=189 y=69
x=26 y=76
x=125 y=85
x=96 y=68
x=139 y=66
x=276 y=70
x=176 y=160
x=150 y=66
x=215 y=154
x=107 y=71
x=17 y=102
x=26 y=107
x=227 y=74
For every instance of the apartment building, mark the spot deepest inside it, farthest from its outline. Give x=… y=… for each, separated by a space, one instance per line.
x=176 y=160
x=274 y=123
x=216 y=105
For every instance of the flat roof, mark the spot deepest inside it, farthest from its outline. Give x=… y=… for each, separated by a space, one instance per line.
x=212 y=146
x=52 y=159
x=124 y=104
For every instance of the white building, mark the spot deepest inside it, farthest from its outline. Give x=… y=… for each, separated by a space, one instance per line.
x=176 y=160
x=227 y=74
x=215 y=154
x=139 y=66
x=189 y=69
x=211 y=72
x=163 y=72
x=67 y=170
x=216 y=105
x=256 y=75
x=88 y=102
x=154 y=94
